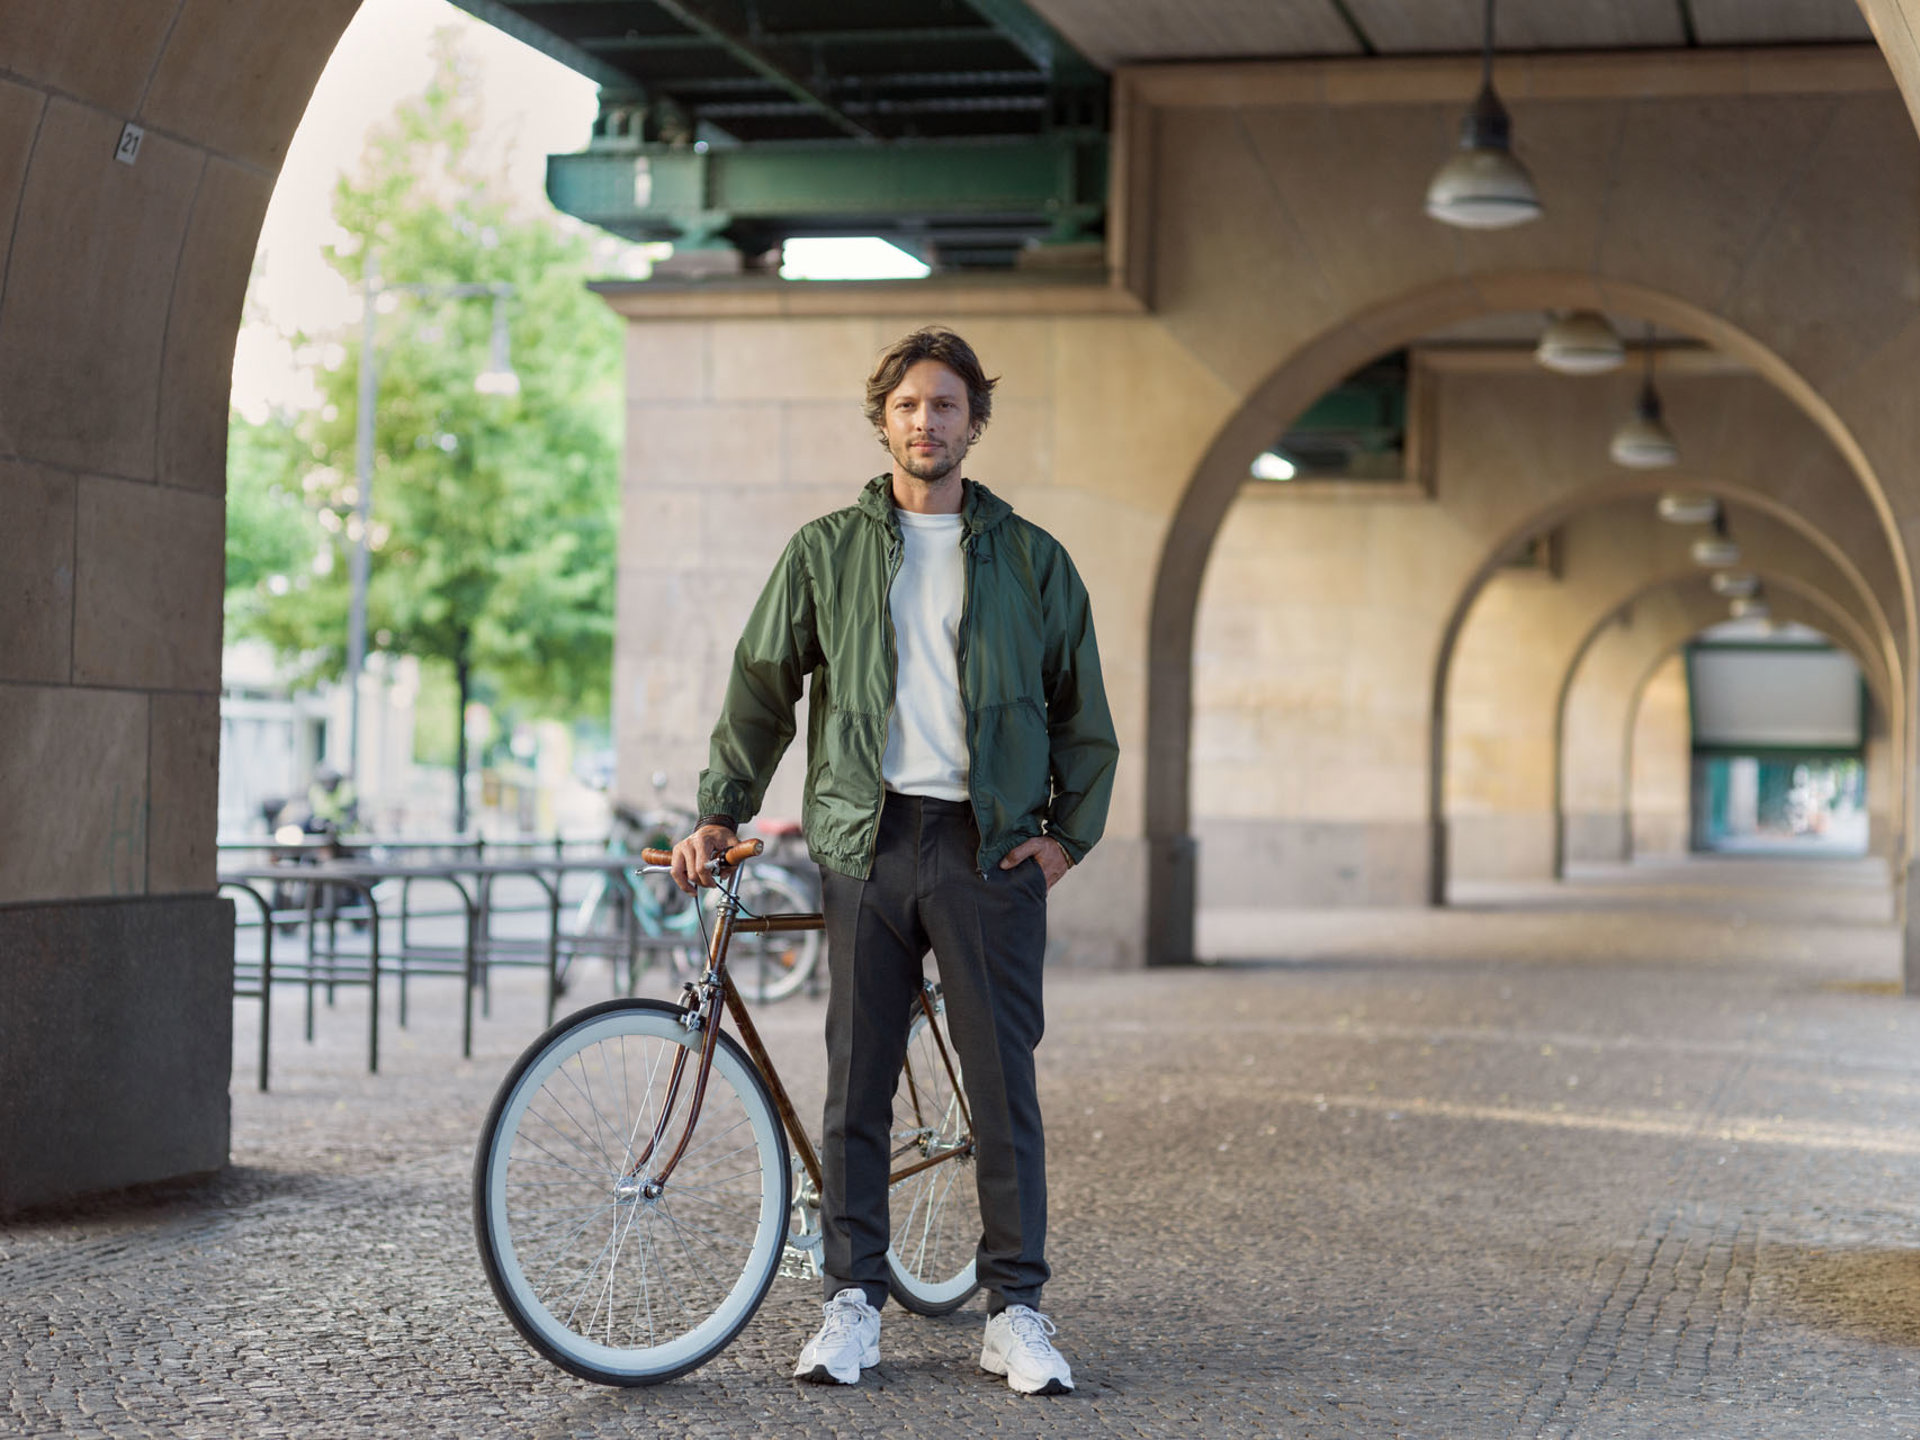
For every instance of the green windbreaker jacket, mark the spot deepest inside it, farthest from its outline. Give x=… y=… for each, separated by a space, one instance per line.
x=1041 y=739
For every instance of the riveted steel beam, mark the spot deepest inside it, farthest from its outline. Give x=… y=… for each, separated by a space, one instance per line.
x=575 y=57
x=757 y=60
x=1046 y=187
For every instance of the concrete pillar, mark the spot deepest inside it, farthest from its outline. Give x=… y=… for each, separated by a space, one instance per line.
x=1882 y=786
x=1662 y=764
x=122 y=293
x=744 y=422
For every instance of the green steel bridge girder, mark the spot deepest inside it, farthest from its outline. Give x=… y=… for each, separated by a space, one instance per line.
x=1054 y=186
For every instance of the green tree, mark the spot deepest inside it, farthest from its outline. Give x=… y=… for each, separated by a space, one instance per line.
x=494 y=516
x=274 y=541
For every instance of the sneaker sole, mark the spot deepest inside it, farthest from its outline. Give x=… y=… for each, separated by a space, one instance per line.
x=1052 y=1385
x=821 y=1375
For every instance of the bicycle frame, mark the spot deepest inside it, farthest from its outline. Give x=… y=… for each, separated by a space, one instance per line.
x=705 y=999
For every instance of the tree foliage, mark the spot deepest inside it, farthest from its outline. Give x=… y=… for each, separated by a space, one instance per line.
x=493 y=516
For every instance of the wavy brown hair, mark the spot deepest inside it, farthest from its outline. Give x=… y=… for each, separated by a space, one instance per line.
x=932 y=343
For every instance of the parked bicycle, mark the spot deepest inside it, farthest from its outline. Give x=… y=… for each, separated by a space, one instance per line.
x=634 y=1191
x=766 y=966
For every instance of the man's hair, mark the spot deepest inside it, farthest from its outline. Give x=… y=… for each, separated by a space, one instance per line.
x=932 y=343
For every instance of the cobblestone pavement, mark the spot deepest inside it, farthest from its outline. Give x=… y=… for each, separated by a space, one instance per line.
x=1632 y=1157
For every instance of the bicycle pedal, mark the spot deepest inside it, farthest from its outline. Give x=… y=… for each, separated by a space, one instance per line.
x=793 y=1266
x=801 y=1262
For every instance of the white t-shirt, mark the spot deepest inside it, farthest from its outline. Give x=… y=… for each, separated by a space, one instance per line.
x=927 y=737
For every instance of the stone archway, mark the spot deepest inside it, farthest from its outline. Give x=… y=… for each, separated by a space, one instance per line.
x=120 y=301
x=1495 y=785
x=1220 y=474
x=1617 y=659
x=1828 y=572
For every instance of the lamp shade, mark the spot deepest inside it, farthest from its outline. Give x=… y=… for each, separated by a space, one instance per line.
x=1679 y=507
x=1735 y=584
x=1643 y=441
x=1715 y=552
x=1580 y=343
x=1483 y=187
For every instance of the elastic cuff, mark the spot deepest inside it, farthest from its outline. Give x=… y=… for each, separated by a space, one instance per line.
x=725 y=822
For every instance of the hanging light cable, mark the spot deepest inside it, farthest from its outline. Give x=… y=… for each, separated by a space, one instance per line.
x=1483 y=187
x=1643 y=441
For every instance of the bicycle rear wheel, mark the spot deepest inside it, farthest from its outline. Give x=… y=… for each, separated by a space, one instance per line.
x=935 y=1211
x=605 y=1281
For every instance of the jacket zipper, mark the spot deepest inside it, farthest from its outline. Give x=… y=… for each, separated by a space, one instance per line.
x=968 y=561
x=896 y=556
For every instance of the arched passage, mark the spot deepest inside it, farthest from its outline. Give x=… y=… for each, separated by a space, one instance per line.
x=1501 y=678
x=1611 y=669
x=1221 y=473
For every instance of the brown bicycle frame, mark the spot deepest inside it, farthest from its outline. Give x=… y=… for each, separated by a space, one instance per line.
x=730 y=924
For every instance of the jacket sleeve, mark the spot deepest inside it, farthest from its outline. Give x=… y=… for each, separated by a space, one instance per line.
x=777 y=651
x=1083 y=750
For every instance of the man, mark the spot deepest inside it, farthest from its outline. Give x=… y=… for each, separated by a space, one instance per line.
x=959 y=760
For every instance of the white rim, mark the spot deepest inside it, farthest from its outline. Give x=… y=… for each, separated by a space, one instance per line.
x=769 y=1232
x=942 y=1177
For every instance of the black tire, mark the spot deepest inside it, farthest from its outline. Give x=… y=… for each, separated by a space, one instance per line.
x=564 y=1224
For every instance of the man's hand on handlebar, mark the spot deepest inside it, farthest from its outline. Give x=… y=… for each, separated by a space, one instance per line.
x=693 y=856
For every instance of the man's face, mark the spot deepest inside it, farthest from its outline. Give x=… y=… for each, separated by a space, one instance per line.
x=929 y=426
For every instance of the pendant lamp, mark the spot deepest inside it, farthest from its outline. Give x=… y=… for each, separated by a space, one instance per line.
x=1580 y=343
x=1735 y=584
x=1643 y=441
x=1483 y=187
x=1752 y=608
x=1680 y=507
x=1718 y=550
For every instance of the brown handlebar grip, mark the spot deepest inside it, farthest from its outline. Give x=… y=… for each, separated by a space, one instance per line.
x=745 y=850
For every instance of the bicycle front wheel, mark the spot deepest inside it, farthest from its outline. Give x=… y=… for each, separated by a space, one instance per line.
x=604 y=1279
x=934 y=1204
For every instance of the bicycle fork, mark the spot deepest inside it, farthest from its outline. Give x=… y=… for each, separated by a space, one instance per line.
x=703 y=1002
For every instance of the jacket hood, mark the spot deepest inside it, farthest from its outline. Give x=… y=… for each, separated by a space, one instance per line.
x=980 y=509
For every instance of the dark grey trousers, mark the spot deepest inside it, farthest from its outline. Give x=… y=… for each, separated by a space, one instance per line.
x=988 y=935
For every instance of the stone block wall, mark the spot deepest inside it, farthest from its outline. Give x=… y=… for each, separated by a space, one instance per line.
x=120 y=294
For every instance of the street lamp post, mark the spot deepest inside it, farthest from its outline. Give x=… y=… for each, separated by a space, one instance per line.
x=497 y=379
x=361 y=558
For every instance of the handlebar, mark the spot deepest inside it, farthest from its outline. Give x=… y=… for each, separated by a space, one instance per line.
x=745 y=850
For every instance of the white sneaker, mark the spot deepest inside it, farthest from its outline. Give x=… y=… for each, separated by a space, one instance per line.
x=1019 y=1345
x=848 y=1342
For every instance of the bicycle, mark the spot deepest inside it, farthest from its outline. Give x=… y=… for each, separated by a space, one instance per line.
x=769 y=967
x=634 y=1190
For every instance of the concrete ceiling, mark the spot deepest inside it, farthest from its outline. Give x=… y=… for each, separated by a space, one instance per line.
x=1114 y=32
